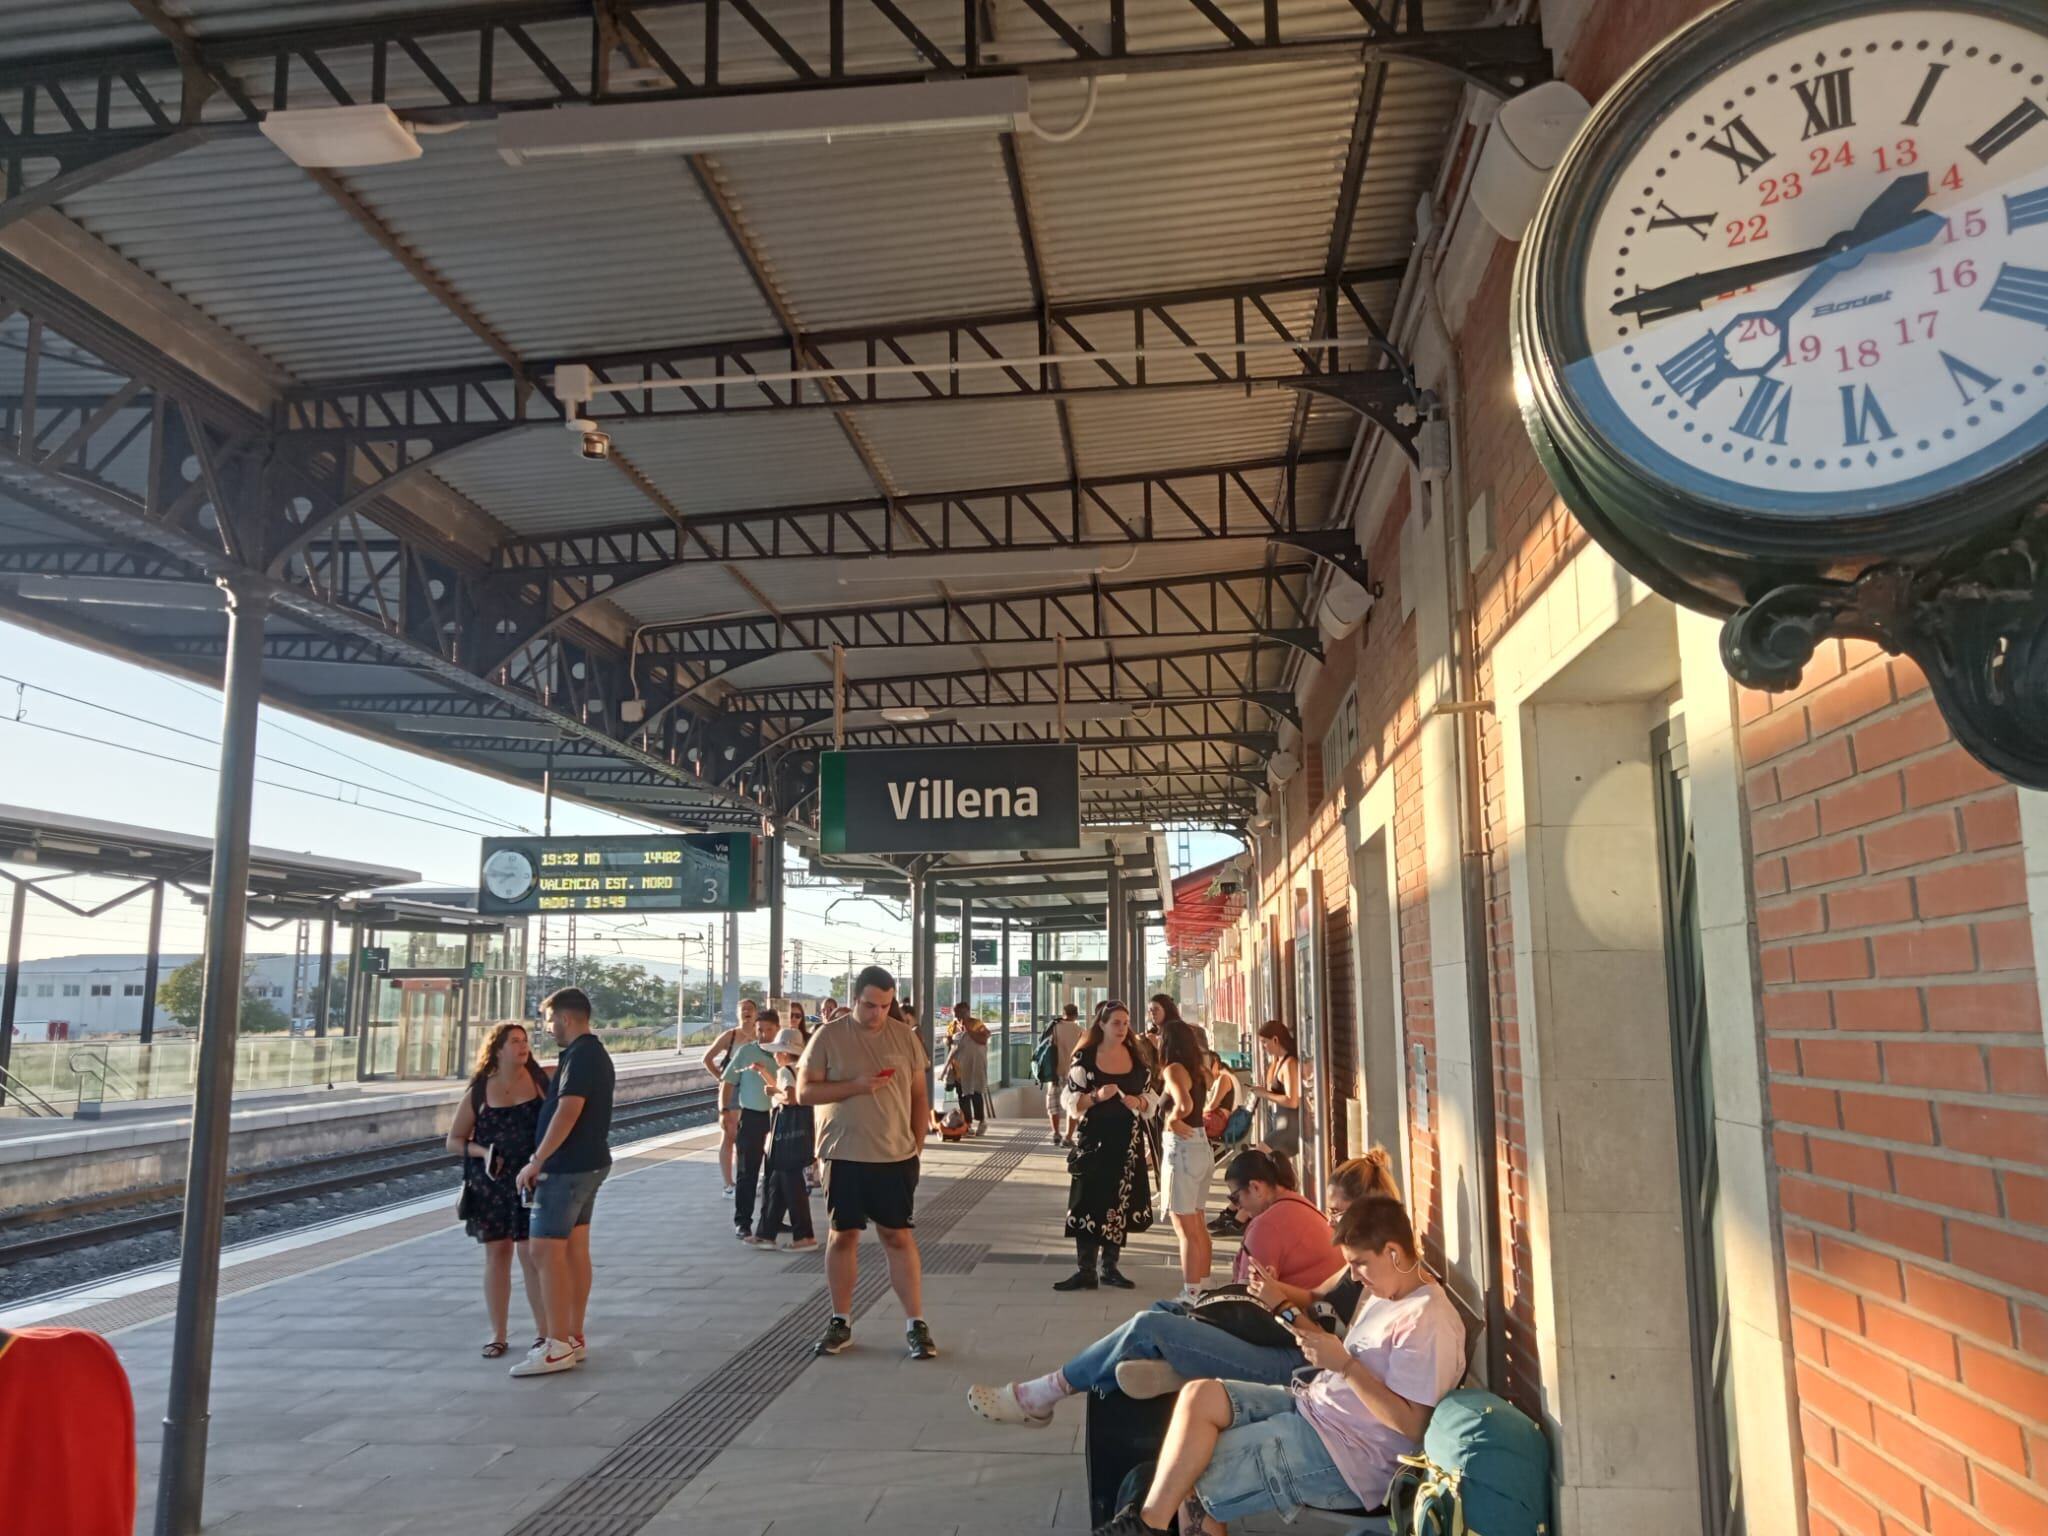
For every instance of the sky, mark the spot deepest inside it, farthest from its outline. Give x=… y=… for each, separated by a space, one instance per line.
x=83 y=734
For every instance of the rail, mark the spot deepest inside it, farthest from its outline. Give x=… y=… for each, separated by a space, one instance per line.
x=98 y=1080
x=14 y=1091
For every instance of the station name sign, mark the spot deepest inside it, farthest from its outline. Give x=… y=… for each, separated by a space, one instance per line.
x=950 y=799
x=684 y=872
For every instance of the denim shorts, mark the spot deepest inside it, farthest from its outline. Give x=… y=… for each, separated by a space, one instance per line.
x=1270 y=1459
x=564 y=1201
x=1190 y=1166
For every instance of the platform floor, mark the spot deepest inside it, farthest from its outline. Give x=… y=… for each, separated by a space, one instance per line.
x=349 y=1397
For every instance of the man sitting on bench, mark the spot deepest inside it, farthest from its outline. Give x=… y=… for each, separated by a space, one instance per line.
x=1333 y=1440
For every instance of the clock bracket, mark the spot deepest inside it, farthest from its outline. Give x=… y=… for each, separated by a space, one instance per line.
x=1502 y=61
x=1976 y=623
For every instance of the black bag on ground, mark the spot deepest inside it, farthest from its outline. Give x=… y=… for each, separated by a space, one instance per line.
x=1231 y=1308
x=1121 y=1435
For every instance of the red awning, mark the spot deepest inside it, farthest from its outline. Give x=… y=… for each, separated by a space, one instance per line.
x=1206 y=902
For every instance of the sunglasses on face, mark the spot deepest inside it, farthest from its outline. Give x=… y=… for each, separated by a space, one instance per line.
x=1233 y=1196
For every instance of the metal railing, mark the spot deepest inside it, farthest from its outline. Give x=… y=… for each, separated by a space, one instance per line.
x=70 y=1076
x=23 y=1099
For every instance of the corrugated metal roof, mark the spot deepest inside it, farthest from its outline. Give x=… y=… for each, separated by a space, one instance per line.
x=862 y=233
x=958 y=446
x=727 y=463
x=562 y=258
x=30 y=27
x=1189 y=179
x=245 y=235
x=1120 y=434
x=536 y=482
x=1407 y=143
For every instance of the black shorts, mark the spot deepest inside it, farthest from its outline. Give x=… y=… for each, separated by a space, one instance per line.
x=857 y=1193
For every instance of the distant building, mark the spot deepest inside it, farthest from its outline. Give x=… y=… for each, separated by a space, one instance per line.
x=102 y=994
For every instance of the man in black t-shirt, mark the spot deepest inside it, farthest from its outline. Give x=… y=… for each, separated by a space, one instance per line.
x=570 y=1162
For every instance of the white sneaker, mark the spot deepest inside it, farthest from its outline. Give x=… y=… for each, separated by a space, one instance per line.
x=576 y=1344
x=1144 y=1379
x=546 y=1359
x=803 y=1245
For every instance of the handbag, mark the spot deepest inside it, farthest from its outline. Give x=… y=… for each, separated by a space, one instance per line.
x=1232 y=1309
x=1238 y=1127
x=789 y=1138
x=1283 y=1132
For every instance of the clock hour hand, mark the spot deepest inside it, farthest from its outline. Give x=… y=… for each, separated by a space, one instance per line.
x=1889 y=212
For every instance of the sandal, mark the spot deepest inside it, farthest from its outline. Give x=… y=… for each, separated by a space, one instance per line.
x=495 y=1348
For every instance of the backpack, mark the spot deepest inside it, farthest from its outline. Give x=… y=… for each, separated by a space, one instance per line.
x=1043 y=1067
x=1484 y=1471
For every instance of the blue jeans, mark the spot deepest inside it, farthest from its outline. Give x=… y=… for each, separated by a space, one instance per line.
x=1195 y=1349
x=1270 y=1458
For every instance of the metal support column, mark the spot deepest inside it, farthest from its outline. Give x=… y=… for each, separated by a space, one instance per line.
x=1004 y=1005
x=730 y=1006
x=775 y=915
x=149 y=962
x=10 y=989
x=966 y=992
x=325 y=989
x=1038 y=1010
x=182 y=1479
x=1114 y=950
x=461 y=1061
x=924 y=948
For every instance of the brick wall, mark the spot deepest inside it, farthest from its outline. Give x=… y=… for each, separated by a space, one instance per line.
x=1909 y=1100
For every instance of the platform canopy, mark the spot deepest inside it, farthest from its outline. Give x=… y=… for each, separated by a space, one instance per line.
x=280 y=882
x=1041 y=425
x=1050 y=889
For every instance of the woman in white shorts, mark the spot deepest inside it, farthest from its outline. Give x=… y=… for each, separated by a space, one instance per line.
x=1188 y=1164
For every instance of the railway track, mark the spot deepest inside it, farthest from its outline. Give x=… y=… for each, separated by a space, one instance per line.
x=20 y=1237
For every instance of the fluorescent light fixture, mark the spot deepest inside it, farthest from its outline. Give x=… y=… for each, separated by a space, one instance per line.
x=123 y=592
x=997 y=104
x=505 y=730
x=909 y=714
x=330 y=138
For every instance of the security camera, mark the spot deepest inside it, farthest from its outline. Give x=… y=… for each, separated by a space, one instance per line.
x=597 y=445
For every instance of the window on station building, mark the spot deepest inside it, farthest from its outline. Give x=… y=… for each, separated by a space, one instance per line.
x=131 y=989
x=44 y=989
x=102 y=989
x=1339 y=748
x=71 y=989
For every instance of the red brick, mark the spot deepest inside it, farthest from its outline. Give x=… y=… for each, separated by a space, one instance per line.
x=2010 y=1507
x=1916 y=840
x=1964 y=1186
x=1834 y=959
x=1788 y=1150
x=1782 y=1057
x=1912 y=1446
x=1814 y=1202
x=1829 y=1303
x=1993 y=822
x=2015 y=1136
x=1989 y=1435
x=1801 y=773
x=2019 y=1069
x=1775 y=733
x=1879 y=1008
x=2034 y=1331
x=1934 y=1064
x=1981 y=886
x=1861 y=693
x=1819 y=1438
x=1948 y=775
x=1798 y=1104
x=1951 y=1521
x=1850 y=1510
x=1809 y=1341
x=1782 y=826
x=1907 y=678
x=2006 y=1382
x=1866 y=906
x=2002 y=1256
x=1882 y=1380
x=1760 y=787
x=1901 y=1226
x=1925 y=952
x=1916 y=728
x=1924 y=1344
x=1796 y=1010
x=1829 y=1397
x=1769 y=877
x=1875 y=1274
x=2026 y=1197
x=1841 y=1060
x=1789 y=919
x=1890 y=1117
x=1883 y=1480
x=1821 y=863
x=2005 y=944
x=1848 y=1163
x=1752 y=704
x=1774 y=964
x=1959 y=1304
x=1861 y=803
x=1985 y=1008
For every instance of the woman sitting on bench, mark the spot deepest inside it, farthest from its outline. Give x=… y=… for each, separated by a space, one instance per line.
x=1159 y=1350
x=1335 y=1440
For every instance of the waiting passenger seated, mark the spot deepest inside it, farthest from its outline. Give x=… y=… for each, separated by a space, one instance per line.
x=1333 y=1439
x=1161 y=1349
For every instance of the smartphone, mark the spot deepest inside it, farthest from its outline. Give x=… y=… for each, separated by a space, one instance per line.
x=886 y=1073
x=1289 y=1315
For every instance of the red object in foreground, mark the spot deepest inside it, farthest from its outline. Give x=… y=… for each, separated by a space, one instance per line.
x=67 y=1435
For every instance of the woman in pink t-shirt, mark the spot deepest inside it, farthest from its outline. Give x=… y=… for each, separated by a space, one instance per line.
x=1283 y=1232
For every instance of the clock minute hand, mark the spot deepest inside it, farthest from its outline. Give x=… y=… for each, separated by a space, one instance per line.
x=1888 y=212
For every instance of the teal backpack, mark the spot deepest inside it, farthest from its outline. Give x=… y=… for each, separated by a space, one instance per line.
x=1484 y=1471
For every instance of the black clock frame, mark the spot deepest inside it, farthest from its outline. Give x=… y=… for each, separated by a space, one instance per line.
x=1959 y=581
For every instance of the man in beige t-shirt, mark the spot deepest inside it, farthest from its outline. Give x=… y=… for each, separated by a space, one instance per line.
x=868 y=1074
x=1066 y=1037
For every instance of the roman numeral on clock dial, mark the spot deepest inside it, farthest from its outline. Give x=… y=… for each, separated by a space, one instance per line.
x=2021 y=292
x=1963 y=376
x=1702 y=225
x=1927 y=87
x=1861 y=414
x=1768 y=410
x=1695 y=371
x=2008 y=131
x=2025 y=208
x=1826 y=99
x=1739 y=145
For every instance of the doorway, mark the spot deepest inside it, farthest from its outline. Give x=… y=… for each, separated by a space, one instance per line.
x=1379 y=1010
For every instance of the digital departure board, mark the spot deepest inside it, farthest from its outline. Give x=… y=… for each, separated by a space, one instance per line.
x=686 y=872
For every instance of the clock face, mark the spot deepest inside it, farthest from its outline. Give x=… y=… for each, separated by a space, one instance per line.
x=508 y=874
x=1817 y=283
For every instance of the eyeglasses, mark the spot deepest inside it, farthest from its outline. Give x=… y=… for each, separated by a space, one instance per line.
x=1231 y=1197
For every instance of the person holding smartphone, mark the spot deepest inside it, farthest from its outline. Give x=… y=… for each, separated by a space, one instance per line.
x=496 y=1126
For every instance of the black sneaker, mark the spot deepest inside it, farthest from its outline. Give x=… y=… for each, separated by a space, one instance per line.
x=838 y=1334
x=1128 y=1522
x=918 y=1337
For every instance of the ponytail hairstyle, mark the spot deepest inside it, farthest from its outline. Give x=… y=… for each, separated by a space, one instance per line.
x=1274 y=1030
x=1263 y=1164
x=1179 y=1045
x=1366 y=1178
x=1370 y=1224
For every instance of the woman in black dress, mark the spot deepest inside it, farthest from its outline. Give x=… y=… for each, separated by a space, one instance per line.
x=494 y=1131
x=1109 y=1096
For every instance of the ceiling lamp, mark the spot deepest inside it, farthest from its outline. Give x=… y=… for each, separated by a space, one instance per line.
x=689 y=127
x=907 y=714
x=335 y=138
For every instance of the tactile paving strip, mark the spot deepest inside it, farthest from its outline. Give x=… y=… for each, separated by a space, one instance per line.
x=625 y=1490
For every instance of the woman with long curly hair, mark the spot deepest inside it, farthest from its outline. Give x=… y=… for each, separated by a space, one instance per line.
x=495 y=1133
x=1108 y=1095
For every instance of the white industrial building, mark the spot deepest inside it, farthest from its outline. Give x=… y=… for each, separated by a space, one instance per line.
x=102 y=994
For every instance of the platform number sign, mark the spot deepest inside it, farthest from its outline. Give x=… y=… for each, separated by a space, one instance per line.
x=1783 y=315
